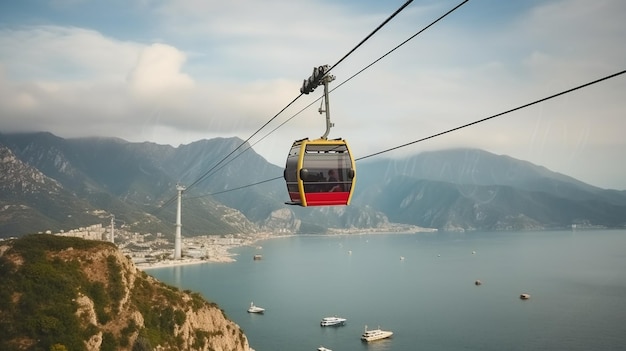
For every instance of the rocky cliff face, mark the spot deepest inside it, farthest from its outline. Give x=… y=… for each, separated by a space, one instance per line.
x=30 y=179
x=71 y=294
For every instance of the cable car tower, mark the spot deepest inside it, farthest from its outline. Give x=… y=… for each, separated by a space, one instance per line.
x=178 y=240
x=320 y=172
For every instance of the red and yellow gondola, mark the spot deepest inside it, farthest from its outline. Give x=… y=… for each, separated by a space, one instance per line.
x=320 y=172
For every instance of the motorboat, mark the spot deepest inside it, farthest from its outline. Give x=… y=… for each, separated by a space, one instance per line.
x=255 y=309
x=331 y=321
x=322 y=348
x=375 y=334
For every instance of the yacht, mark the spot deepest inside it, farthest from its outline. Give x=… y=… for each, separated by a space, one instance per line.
x=255 y=309
x=330 y=321
x=375 y=334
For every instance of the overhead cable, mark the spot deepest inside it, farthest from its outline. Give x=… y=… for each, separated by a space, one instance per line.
x=360 y=71
x=496 y=115
x=209 y=172
x=372 y=33
x=459 y=127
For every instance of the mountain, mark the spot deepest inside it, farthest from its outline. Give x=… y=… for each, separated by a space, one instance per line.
x=63 y=293
x=31 y=200
x=129 y=180
x=470 y=189
x=56 y=184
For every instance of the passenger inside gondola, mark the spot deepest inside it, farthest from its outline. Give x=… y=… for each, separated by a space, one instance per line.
x=333 y=182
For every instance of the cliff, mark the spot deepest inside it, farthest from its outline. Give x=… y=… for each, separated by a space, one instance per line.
x=61 y=293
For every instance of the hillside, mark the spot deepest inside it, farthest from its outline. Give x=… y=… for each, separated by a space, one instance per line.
x=61 y=293
x=470 y=189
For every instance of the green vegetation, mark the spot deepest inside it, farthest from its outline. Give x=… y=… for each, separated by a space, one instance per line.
x=97 y=292
x=38 y=297
x=116 y=283
x=43 y=277
x=160 y=319
x=109 y=342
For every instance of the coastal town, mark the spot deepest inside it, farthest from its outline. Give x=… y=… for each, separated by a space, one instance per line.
x=157 y=250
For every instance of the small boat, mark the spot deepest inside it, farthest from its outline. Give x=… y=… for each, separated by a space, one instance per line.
x=322 y=348
x=330 y=321
x=524 y=296
x=257 y=257
x=255 y=309
x=375 y=334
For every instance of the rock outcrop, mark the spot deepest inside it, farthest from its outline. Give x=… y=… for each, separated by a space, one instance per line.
x=60 y=293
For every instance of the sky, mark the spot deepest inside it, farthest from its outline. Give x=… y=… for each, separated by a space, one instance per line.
x=177 y=71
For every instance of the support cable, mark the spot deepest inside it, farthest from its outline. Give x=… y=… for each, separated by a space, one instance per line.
x=347 y=80
x=497 y=115
x=372 y=33
x=614 y=75
x=210 y=171
x=361 y=71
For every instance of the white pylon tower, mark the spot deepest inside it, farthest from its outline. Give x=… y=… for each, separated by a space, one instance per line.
x=112 y=228
x=178 y=240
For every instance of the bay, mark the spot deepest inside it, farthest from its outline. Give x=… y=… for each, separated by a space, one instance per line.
x=422 y=287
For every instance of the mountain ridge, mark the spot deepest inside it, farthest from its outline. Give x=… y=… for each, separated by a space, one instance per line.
x=448 y=190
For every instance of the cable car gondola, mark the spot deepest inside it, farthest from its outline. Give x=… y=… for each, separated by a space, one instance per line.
x=320 y=172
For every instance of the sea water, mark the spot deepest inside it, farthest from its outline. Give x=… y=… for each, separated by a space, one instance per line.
x=422 y=287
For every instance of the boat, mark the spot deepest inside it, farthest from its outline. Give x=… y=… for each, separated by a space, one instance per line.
x=255 y=309
x=524 y=296
x=322 y=348
x=330 y=321
x=375 y=334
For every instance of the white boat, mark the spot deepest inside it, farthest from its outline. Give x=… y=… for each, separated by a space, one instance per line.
x=524 y=296
x=322 y=348
x=255 y=309
x=330 y=321
x=375 y=334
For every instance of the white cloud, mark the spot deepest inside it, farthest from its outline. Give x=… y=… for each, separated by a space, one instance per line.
x=36 y=53
x=157 y=75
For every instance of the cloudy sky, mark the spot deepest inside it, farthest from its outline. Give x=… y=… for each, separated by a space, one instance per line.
x=177 y=71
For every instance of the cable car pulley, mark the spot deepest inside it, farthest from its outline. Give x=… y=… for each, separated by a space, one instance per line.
x=320 y=172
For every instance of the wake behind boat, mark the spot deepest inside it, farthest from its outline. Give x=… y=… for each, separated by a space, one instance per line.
x=322 y=348
x=375 y=334
x=332 y=321
x=255 y=309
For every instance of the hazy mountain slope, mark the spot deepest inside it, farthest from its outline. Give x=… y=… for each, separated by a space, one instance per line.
x=31 y=202
x=450 y=206
x=478 y=167
x=232 y=191
x=205 y=159
x=129 y=180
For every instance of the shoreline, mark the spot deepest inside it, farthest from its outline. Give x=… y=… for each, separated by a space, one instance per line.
x=217 y=253
x=221 y=253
